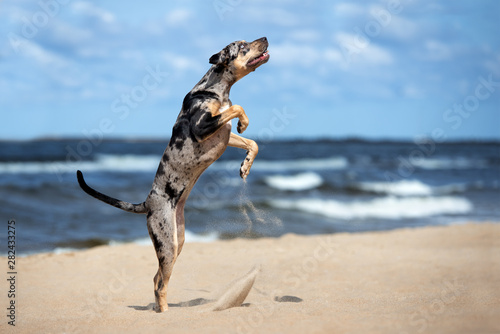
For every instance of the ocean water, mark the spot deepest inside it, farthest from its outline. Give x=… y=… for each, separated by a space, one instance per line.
x=304 y=187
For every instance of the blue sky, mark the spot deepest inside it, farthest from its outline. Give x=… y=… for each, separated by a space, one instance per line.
x=370 y=69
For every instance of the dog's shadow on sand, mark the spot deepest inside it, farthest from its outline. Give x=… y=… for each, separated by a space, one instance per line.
x=189 y=303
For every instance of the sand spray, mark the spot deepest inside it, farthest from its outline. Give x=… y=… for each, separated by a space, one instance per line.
x=246 y=207
x=237 y=291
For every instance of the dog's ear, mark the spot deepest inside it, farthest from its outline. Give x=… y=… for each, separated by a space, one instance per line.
x=214 y=59
x=218 y=58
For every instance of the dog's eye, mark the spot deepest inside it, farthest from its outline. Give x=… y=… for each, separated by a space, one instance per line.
x=242 y=46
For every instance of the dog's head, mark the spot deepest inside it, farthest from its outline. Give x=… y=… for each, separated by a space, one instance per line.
x=241 y=57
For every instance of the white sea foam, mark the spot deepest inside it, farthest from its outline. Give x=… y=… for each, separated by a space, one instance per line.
x=127 y=163
x=299 y=182
x=410 y=188
x=399 y=188
x=383 y=208
x=65 y=250
x=450 y=163
x=103 y=162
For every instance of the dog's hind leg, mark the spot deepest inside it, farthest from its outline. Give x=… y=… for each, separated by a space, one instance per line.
x=163 y=232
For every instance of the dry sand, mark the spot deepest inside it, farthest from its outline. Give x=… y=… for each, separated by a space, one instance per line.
x=429 y=280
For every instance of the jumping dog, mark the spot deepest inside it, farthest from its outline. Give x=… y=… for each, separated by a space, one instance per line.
x=200 y=136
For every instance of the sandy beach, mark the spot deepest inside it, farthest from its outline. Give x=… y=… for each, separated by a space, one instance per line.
x=428 y=280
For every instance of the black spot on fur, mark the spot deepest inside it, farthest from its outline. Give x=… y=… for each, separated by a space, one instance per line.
x=195 y=123
x=161 y=170
x=179 y=143
x=206 y=124
x=203 y=81
x=150 y=213
x=170 y=191
x=193 y=98
x=156 y=242
x=173 y=194
x=215 y=76
x=219 y=68
x=180 y=133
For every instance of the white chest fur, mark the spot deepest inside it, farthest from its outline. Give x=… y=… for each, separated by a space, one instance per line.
x=224 y=108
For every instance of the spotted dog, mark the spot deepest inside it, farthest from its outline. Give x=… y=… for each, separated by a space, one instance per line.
x=200 y=135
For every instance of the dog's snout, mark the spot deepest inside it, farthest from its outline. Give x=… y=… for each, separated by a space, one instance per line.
x=261 y=41
x=261 y=44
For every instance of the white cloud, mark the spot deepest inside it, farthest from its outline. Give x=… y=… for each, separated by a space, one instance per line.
x=89 y=9
x=304 y=55
x=348 y=9
x=436 y=51
x=40 y=55
x=181 y=63
x=67 y=33
x=293 y=54
x=178 y=16
x=270 y=15
x=361 y=50
x=377 y=55
x=332 y=55
x=57 y=68
x=305 y=35
x=401 y=28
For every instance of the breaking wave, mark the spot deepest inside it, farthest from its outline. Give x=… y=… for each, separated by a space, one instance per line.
x=382 y=208
x=299 y=182
x=409 y=188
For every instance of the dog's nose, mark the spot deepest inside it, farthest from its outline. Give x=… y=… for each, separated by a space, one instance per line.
x=263 y=40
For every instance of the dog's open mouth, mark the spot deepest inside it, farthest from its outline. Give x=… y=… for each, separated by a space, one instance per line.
x=260 y=59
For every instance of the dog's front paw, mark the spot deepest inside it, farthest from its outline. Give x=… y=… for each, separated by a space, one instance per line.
x=248 y=162
x=243 y=123
x=245 y=167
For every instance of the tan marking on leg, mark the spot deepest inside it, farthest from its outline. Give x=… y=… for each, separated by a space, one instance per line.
x=214 y=107
x=252 y=150
x=235 y=111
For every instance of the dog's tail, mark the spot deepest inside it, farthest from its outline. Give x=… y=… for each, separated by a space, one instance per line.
x=135 y=208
